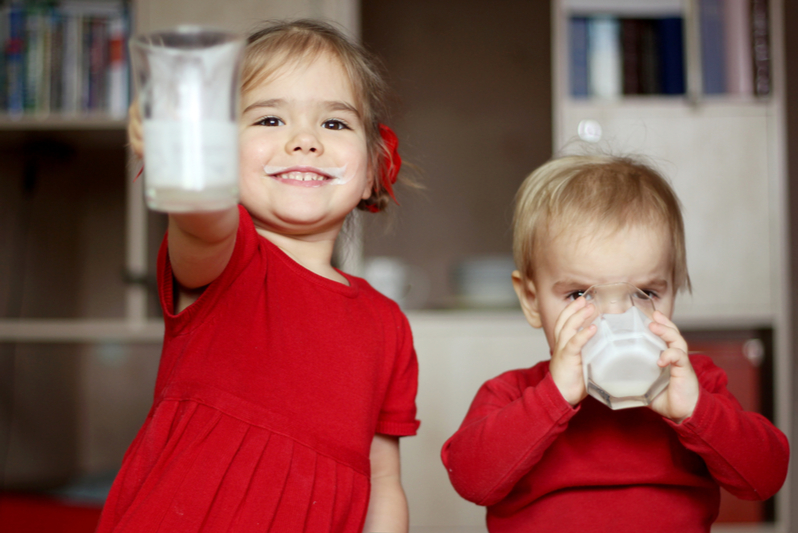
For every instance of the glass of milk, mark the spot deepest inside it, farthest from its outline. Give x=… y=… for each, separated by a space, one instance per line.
x=187 y=80
x=619 y=361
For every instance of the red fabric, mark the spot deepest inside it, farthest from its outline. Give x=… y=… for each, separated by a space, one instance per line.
x=540 y=465
x=270 y=390
x=34 y=514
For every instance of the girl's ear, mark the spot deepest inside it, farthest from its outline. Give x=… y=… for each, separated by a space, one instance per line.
x=526 y=292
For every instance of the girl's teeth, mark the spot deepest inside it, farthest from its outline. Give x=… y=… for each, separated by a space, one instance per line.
x=302 y=176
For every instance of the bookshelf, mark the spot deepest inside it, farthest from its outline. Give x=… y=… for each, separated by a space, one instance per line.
x=720 y=140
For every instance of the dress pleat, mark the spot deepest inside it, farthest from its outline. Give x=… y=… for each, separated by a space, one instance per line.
x=320 y=515
x=210 y=461
x=296 y=496
x=237 y=481
x=264 y=492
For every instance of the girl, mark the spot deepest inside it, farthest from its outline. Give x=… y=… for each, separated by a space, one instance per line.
x=284 y=383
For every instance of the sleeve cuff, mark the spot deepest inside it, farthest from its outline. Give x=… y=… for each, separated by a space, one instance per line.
x=397 y=429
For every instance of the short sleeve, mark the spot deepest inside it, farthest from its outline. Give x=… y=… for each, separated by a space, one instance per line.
x=245 y=249
x=398 y=413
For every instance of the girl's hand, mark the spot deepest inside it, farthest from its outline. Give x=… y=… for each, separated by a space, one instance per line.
x=566 y=364
x=135 y=135
x=678 y=400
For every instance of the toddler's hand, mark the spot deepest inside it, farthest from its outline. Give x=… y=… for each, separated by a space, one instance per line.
x=678 y=400
x=566 y=364
x=135 y=136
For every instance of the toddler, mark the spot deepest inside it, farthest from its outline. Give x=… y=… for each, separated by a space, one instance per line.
x=284 y=383
x=544 y=457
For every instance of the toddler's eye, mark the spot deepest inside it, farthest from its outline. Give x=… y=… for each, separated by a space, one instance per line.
x=334 y=124
x=575 y=295
x=650 y=294
x=270 y=121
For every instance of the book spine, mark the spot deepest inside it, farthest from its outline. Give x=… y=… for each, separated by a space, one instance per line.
x=56 y=61
x=4 y=38
x=738 y=47
x=650 y=67
x=761 y=61
x=605 y=58
x=34 y=59
x=43 y=94
x=578 y=56
x=85 y=64
x=631 y=68
x=712 y=43
x=670 y=51
x=71 y=81
x=117 y=68
x=98 y=64
x=15 y=65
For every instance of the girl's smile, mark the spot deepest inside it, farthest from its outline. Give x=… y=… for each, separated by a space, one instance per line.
x=307 y=176
x=304 y=158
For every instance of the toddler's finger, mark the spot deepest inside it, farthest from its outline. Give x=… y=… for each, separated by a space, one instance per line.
x=573 y=325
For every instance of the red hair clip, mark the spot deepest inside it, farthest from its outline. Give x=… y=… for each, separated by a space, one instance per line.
x=391 y=163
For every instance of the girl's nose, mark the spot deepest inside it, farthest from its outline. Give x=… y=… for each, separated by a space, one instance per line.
x=304 y=142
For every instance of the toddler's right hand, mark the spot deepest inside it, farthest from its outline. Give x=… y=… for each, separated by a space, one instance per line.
x=566 y=365
x=135 y=136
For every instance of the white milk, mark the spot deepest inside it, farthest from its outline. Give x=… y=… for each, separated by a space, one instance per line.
x=191 y=165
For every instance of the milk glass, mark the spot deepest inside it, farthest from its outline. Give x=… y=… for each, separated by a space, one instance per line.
x=619 y=361
x=187 y=81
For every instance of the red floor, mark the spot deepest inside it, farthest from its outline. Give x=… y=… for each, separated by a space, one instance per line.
x=37 y=514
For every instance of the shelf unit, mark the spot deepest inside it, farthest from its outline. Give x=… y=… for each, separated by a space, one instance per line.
x=725 y=155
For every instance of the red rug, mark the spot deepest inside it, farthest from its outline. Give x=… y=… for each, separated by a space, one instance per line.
x=38 y=514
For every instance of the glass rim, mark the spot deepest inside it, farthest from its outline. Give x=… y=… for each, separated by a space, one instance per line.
x=186 y=38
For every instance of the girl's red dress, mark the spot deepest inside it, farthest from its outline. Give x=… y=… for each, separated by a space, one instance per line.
x=270 y=390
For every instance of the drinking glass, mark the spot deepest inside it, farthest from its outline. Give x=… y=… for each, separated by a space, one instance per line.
x=187 y=80
x=619 y=361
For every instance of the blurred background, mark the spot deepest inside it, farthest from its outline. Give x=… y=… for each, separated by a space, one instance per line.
x=486 y=91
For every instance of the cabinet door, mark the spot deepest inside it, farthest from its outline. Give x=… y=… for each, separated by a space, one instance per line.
x=718 y=162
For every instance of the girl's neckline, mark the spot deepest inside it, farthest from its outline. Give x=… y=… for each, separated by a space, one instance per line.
x=350 y=290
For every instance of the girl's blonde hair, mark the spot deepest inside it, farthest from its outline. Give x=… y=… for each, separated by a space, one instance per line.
x=302 y=41
x=606 y=191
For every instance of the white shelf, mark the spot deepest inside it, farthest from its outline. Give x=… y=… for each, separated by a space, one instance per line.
x=81 y=330
x=61 y=122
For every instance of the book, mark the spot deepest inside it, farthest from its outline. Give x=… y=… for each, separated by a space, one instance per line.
x=4 y=11
x=672 y=72
x=14 y=60
x=649 y=63
x=631 y=54
x=117 y=97
x=761 y=52
x=71 y=85
x=738 y=47
x=56 y=60
x=712 y=45
x=605 y=58
x=578 y=57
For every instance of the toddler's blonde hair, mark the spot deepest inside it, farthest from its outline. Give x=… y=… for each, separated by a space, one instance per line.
x=608 y=192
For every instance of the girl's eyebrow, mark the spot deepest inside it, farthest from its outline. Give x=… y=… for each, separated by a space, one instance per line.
x=272 y=102
x=332 y=105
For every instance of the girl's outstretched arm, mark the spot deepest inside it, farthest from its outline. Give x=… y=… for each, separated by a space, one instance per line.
x=388 y=508
x=200 y=244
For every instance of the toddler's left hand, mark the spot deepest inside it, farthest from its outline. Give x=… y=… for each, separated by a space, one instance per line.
x=678 y=400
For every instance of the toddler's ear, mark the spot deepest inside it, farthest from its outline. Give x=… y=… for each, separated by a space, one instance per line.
x=526 y=292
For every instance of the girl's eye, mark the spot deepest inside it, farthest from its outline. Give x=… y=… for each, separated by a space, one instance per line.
x=334 y=124
x=270 y=121
x=575 y=295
